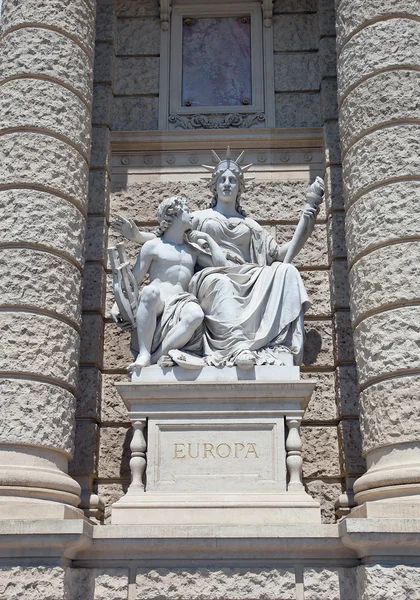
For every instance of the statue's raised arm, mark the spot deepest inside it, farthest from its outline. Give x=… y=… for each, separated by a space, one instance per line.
x=128 y=229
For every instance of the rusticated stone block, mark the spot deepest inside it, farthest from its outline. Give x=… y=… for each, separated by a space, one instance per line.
x=41 y=160
x=329 y=105
x=43 y=219
x=99 y=196
x=31 y=583
x=132 y=8
x=326 y=492
x=113 y=407
x=347 y=390
x=382 y=215
x=314 y=253
x=340 y=291
x=320 y=451
x=114 y=452
x=74 y=18
x=104 y=65
x=381 y=99
x=298 y=109
x=317 y=285
x=327 y=57
x=111 y=493
x=318 y=349
x=334 y=188
x=263 y=201
x=294 y=6
x=329 y=584
x=387 y=582
x=214 y=583
x=344 y=348
x=45 y=282
x=337 y=248
x=322 y=405
x=326 y=19
x=96 y=239
x=293 y=33
x=34 y=343
x=388 y=342
x=88 y=405
x=390 y=152
x=91 y=340
x=385 y=406
x=117 y=355
x=138 y=36
x=41 y=413
x=137 y=75
x=105 y=30
x=135 y=114
x=296 y=71
x=352 y=14
x=369 y=50
x=332 y=143
x=101 y=152
x=36 y=51
x=28 y=103
x=350 y=443
x=396 y=280
x=111 y=583
x=102 y=104
x=85 y=448
x=94 y=287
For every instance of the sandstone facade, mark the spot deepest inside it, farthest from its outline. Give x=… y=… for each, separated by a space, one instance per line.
x=80 y=119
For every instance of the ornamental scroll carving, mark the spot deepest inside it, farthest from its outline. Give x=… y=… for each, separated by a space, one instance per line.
x=234 y=120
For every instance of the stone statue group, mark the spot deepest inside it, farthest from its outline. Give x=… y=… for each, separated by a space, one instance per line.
x=222 y=291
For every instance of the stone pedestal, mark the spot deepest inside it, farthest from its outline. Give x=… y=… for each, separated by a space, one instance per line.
x=223 y=447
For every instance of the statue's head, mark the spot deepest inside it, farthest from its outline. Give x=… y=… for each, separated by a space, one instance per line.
x=227 y=171
x=170 y=209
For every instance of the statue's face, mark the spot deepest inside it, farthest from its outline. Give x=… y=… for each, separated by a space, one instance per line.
x=227 y=186
x=185 y=217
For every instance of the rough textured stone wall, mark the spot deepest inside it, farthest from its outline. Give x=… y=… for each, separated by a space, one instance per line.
x=378 y=61
x=46 y=93
x=137 y=48
x=277 y=205
x=296 y=63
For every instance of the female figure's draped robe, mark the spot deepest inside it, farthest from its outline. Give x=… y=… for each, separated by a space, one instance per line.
x=256 y=303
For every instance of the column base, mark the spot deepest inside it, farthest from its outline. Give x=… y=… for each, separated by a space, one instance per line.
x=36 y=477
x=391 y=486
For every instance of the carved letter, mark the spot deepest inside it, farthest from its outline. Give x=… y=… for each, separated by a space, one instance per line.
x=227 y=452
x=251 y=450
x=179 y=450
x=208 y=448
x=238 y=447
x=190 y=454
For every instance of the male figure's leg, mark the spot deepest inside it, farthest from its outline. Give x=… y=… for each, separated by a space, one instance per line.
x=191 y=317
x=150 y=308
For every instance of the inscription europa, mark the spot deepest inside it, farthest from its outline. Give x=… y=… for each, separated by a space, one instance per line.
x=207 y=450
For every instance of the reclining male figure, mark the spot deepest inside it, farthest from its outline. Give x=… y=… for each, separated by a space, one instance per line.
x=170 y=260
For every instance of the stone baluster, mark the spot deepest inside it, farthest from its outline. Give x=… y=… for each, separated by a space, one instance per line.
x=378 y=80
x=294 y=455
x=138 y=458
x=45 y=108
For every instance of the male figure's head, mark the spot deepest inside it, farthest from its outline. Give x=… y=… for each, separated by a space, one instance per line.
x=172 y=208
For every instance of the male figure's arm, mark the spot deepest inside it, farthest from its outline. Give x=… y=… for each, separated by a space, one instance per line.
x=143 y=262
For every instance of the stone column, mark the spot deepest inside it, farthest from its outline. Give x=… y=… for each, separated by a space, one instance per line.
x=378 y=83
x=45 y=121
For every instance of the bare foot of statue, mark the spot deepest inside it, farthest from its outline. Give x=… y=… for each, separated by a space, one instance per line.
x=246 y=360
x=142 y=360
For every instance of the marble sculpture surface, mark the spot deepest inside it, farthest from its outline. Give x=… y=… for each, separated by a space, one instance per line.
x=245 y=303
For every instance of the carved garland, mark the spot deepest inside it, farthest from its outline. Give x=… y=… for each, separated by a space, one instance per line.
x=235 y=120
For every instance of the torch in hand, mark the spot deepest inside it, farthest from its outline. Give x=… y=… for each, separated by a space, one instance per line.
x=314 y=197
